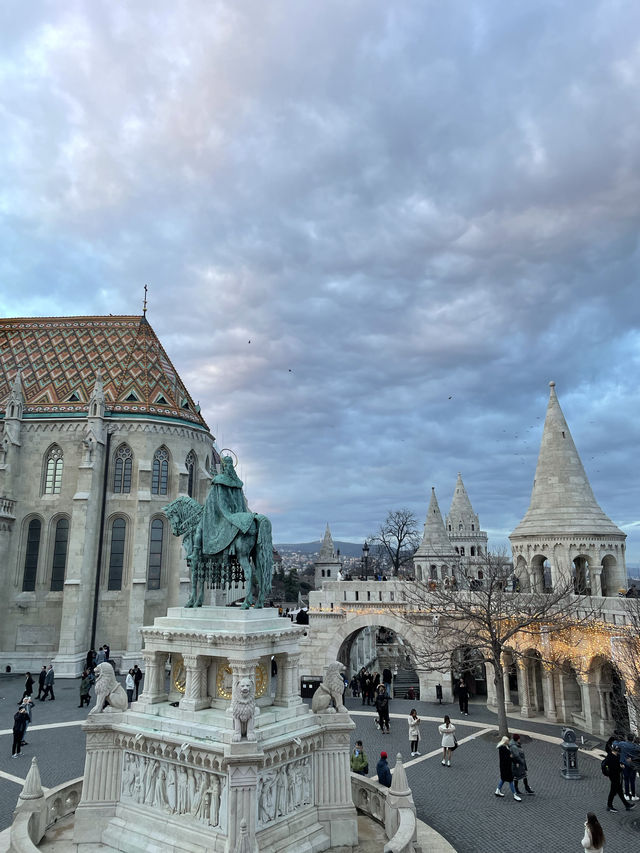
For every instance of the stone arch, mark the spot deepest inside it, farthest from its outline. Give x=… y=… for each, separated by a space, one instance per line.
x=390 y=621
x=571 y=697
x=581 y=574
x=533 y=690
x=468 y=663
x=540 y=572
x=522 y=574
x=608 y=708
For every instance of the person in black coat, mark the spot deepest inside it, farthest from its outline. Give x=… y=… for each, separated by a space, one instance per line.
x=20 y=720
x=612 y=766
x=382 y=707
x=506 y=769
x=383 y=771
x=41 y=678
x=28 y=686
x=463 y=698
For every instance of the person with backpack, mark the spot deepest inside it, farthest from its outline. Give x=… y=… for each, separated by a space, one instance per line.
x=359 y=761
x=610 y=767
x=382 y=707
x=629 y=759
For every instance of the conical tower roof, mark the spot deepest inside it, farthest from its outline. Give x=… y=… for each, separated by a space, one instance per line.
x=434 y=538
x=562 y=500
x=461 y=509
x=327 y=551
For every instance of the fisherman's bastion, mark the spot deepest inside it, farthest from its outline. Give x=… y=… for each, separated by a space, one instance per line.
x=99 y=434
x=101 y=443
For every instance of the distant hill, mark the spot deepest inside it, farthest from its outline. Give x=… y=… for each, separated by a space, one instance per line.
x=347 y=549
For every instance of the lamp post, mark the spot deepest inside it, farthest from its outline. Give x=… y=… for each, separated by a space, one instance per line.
x=365 y=559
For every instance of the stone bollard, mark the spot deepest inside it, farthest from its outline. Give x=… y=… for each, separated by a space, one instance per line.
x=569 y=755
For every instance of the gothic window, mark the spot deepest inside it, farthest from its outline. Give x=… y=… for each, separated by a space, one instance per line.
x=116 y=553
x=479 y=550
x=457 y=549
x=59 y=555
x=190 y=464
x=328 y=573
x=473 y=551
x=322 y=570
x=460 y=526
x=449 y=527
x=473 y=527
x=160 y=474
x=462 y=550
x=122 y=470
x=53 y=471
x=155 y=554
x=31 y=555
x=433 y=573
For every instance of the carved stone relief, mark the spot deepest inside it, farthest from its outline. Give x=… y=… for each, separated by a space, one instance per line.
x=174 y=788
x=284 y=790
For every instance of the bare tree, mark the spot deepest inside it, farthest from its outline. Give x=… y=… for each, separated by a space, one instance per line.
x=490 y=616
x=397 y=538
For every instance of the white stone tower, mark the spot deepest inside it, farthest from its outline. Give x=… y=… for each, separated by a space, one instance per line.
x=565 y=534
x=327 y=566
x=463 y=528
x=436 y=557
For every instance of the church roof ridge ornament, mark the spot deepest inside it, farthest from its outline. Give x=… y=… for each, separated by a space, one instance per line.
x=562 y=499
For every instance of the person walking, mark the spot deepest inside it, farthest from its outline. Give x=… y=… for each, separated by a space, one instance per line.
x=387 y=679
x=85 y=687
x=48 y=683
x=463 y=697
x=20 y=720
x=41 y=677
x=506 y=769
x=130 y=686
x=100 y=656
x=593 y=839
x=519 y=764
x=359 y=761
x=137 y=678
x=382 y=707
x=448 y=733
x=629 y=757
x=28 y=685
x=414 y=731
x=383 y=770
x=611 y=768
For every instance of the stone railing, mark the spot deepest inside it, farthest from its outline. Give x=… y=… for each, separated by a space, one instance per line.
x=7 y=507
x=38 y=811
x=392 y=807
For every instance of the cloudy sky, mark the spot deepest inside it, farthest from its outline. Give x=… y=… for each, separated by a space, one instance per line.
x=372 y=232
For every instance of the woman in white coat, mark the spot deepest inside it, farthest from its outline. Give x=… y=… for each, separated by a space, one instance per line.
x=414 y=731
x=448 y=733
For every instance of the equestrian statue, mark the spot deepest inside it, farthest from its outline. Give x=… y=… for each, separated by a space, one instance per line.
x=224 y=541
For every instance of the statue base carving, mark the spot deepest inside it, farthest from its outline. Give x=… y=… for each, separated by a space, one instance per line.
x=219 y=738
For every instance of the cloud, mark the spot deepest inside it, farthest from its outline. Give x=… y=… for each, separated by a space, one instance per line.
x=417 y=215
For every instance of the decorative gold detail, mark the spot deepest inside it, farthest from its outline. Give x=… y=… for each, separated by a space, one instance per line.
x=178 y=673
x=224 y=681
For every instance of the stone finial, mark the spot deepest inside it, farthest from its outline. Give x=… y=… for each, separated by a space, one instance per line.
x=32 y=789
x=244 y=842
x=399 y=783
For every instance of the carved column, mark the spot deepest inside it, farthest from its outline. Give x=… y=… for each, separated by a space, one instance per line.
x=525 y=694
x=195 y=697
x=551 y=711
x=287 y=693
x=153 y=689
x=332 y=781
x=101 y=786
x=595 y=573
x=491 y=689
x=506 y=663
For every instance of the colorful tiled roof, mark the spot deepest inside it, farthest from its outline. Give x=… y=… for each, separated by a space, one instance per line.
x=59 y=358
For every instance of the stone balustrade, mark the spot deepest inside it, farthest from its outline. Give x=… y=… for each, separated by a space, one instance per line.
x=372 y=799
x=39 y=813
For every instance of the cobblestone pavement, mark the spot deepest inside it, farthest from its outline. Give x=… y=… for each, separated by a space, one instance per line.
x=457 y=801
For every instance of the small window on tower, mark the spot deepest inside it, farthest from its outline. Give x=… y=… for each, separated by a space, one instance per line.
x=131 y=398
x=563 y=434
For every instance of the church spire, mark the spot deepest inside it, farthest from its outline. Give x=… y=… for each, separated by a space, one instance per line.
x=434 y=538
x=327 y=551
x=461 y=510
x=562 y=499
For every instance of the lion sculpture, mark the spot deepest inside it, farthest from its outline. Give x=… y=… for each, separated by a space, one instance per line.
x=110 y=695
x=243 y=707
x=329 y=693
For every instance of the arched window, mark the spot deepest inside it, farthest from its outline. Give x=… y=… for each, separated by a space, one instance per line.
x=122 y=470
x=462 y=550
x=473 y=551
x=190 y=464
x=460 y=526
x=116 y=554
x=53 y=471
x=322 y=570
x=160 y=475
x=328 y=573
x=31 y=555
x=59 y=563
x=155 y=554
x=473 y=527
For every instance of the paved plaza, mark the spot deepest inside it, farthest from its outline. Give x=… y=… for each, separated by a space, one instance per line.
x=457 y=801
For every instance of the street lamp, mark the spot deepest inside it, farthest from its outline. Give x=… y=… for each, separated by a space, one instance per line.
x=365 y=559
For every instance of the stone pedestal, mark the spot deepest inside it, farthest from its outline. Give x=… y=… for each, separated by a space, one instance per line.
x=183 y=770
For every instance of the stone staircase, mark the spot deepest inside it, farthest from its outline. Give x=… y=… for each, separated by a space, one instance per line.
x=405 y=679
